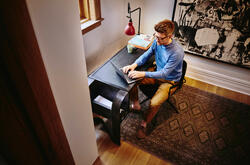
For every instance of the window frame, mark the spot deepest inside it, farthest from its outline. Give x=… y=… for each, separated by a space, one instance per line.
x=90 y=14
x=84 y=10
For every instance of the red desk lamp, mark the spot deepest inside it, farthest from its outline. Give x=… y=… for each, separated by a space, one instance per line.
x=129 y=29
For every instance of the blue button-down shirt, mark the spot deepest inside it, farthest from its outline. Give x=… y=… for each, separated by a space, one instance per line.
x=169 y=59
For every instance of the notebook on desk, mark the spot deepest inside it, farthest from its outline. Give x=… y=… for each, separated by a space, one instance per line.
x=123 y=75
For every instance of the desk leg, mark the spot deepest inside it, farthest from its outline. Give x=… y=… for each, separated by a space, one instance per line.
x=115 y=130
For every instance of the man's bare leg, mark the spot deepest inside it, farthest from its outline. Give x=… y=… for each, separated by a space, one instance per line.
x=134 y=102
x=150 y=114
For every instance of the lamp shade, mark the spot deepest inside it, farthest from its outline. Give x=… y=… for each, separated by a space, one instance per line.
x=129 y=29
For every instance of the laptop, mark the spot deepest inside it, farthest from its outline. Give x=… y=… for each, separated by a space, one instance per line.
x=123 y=75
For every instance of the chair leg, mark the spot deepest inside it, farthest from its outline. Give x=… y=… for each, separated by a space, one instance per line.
x=173 y=106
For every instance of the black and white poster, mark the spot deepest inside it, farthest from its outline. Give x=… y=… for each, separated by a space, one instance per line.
x=214 y=29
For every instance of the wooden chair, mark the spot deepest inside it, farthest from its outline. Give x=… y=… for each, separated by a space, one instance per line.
x=149 y=90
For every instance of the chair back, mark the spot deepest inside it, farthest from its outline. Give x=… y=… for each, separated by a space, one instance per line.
x=184 y=69
x=174 y=88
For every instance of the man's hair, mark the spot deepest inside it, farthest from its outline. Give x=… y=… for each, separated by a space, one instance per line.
x=166 y=26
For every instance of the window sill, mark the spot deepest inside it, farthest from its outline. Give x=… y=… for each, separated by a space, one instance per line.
x=90 y=25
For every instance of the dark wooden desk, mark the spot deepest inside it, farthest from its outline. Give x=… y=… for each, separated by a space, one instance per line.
x=106 y=83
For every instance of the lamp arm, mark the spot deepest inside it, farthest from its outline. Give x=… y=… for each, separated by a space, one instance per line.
x=139 y=16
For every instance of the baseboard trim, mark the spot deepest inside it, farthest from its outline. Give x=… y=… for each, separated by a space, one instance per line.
x=224 y=81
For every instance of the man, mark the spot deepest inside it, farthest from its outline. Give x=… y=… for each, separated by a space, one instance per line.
x=169 y=58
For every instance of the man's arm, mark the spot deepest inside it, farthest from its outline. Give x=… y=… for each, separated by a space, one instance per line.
x=146 y=56
x=141 y=60
x=168 y=68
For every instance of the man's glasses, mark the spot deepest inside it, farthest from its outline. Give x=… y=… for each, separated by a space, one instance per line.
x=159 y=38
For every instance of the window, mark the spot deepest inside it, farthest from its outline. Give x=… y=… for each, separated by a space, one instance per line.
x=90 y=14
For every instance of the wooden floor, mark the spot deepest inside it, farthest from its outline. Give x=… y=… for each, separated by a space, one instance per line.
x=127 y=154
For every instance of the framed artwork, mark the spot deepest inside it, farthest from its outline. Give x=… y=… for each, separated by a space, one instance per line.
x=214 y=29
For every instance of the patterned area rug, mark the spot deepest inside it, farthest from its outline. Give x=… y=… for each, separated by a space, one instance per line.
x=209 y=129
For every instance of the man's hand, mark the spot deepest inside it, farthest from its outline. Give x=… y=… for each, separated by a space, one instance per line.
x=136 y=74
x=128 y=68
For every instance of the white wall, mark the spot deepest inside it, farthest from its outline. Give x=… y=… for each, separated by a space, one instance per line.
x=210 y=71
x=218 y=73
x=104 y=41
x=154 y=12
x=57 y=28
